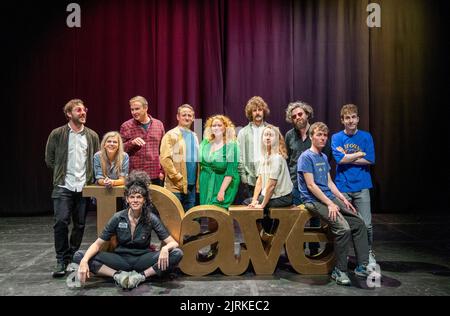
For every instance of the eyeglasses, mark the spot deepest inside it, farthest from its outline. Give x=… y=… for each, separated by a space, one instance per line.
x=80 y=109
x=294 y=116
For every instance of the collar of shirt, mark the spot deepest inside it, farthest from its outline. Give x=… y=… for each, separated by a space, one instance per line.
x=139 y=123
x=71 y=130
x=253 y=125
x=300 y=134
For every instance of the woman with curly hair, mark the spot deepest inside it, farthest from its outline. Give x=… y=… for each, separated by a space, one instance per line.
x=219 y=158
x=219 y=176
x=132 y=261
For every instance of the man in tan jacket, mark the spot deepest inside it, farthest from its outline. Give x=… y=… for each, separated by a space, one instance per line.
x=179 y=158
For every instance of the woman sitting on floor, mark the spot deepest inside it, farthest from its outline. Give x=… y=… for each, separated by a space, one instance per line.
x=132 y=261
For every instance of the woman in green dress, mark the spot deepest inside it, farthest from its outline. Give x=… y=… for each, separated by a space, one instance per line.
x=219 y=157
x=219 y=177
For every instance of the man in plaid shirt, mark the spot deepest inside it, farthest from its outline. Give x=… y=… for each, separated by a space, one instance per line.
x=141 y=138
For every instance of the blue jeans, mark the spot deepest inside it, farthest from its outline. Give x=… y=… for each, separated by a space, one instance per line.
x=361 y=201
x=187 y=200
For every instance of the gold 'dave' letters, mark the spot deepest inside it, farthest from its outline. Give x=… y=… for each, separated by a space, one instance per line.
x=263 y=254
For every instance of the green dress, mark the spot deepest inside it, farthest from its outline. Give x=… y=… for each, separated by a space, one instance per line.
x=214 y=167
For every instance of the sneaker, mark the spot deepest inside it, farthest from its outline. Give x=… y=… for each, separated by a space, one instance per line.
x=134 y=279
x=211 y=254
x=313 y=252
x=363 y=271
x=367 y=271
x=121 y=278
x=340 y=277
x=72 y=267
x=60 y=270
x=266 y=237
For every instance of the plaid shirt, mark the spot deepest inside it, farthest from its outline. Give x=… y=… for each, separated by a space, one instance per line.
x=144 y=158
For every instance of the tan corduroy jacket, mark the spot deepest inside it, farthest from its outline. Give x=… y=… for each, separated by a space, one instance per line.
x=173 y=160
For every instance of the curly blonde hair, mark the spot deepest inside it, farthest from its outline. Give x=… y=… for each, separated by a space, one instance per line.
x=230 y=132
x=256 y=102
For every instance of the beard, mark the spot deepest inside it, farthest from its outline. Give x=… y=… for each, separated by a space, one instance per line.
x=79 y=120
x=301 y=124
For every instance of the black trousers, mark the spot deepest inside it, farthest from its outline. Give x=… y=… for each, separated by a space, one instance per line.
x=268 y=223
x=127 y=262
x=67 y=206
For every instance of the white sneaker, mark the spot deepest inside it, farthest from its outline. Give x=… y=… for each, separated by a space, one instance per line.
x=340 y=277
x=135 y=278
x=72 y=267
x=121 y=279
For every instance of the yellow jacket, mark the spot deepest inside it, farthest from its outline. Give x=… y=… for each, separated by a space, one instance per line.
x=173 y=160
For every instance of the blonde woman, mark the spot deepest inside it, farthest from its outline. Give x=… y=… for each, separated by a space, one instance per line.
x=111 y=162
x=273 y=187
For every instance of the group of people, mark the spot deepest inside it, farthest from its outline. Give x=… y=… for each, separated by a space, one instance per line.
x=268 y=169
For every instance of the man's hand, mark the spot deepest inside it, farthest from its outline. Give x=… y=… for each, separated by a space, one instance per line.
x=348 y=205
x=161 y=176
x=138 y=142
x=333 y=212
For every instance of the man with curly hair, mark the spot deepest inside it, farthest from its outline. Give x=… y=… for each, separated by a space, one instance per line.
x=249 y=139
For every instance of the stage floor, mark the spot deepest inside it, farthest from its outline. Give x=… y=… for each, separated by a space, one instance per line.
x=412 y=250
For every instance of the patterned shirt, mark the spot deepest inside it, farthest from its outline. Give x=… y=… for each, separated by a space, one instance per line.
x=144 y=158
